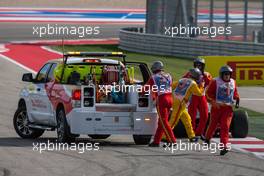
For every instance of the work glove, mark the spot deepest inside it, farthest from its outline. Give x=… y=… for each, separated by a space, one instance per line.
x=237 y=103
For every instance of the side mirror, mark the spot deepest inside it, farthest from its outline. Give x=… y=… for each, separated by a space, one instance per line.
x=27 y=77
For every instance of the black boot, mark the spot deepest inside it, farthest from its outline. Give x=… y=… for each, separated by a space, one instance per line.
x=224 y=151
x=153 y=145
x=207 y=141
x=202 y=137
x=194 y=139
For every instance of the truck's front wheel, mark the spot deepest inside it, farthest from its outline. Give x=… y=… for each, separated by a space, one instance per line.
x=142 y=139
x=20 y=122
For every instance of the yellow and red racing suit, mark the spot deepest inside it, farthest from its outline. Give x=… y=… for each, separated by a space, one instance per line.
x=181 y=92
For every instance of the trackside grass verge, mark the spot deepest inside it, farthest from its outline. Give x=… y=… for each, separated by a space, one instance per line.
x=256 y=123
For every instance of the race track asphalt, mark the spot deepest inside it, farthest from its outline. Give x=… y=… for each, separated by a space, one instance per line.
x=117 y=155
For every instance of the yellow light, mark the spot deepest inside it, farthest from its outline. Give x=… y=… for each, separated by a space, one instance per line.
x=147 y=119
x=73 y=52
x=117 y=53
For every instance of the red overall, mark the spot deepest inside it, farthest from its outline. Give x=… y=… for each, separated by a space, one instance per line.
x=199 y=103
x=164 y=104
x=221 y=97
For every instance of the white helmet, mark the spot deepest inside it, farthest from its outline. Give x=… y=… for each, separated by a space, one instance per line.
x=195 y=73
x=156 y=66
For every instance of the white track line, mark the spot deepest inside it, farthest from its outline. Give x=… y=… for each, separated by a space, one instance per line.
x=253 y=99
x=124 y=17
x=17 y=63
x=245 y=139
x=248 y=146
x=259 y=153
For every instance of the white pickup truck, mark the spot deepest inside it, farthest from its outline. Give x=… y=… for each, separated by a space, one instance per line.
x=75 y=95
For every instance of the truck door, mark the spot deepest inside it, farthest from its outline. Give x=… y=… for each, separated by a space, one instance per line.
x=40 y=105
x=49 y=86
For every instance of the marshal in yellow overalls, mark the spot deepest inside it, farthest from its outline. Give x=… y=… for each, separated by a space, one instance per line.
x=182 y=91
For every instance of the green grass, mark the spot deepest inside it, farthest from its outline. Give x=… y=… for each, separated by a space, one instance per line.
x=177 y=67
x=256 y=123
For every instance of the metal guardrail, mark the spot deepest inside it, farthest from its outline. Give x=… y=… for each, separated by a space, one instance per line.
x=135 y=40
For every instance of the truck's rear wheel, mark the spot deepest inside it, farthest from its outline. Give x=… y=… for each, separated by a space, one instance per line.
x=99 y=136
x=63 y=129
x=239 y=124
x=20 y=122
x=142 y=139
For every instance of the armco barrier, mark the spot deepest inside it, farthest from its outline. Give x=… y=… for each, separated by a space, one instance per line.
x=133 y=39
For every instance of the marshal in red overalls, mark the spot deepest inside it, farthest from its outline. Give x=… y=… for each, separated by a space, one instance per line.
x=164 y=104
x=163 y=96
x=222 y=93
x=199 y=102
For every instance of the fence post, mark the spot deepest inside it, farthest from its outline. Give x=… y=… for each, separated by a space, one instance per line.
x=226 y=17
x=211 y=15
x=245 y=19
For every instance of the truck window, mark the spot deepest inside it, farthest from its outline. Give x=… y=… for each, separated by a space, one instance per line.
x=138 y=73
x=51 y=75
x=42 y=74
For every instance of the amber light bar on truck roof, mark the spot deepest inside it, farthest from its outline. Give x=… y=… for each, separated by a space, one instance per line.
x=95 y=54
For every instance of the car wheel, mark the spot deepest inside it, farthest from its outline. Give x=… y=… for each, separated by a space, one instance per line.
x=20 y=122
x=63 y=130
x=239 y=124
x=99 y=136
x=142 y=139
